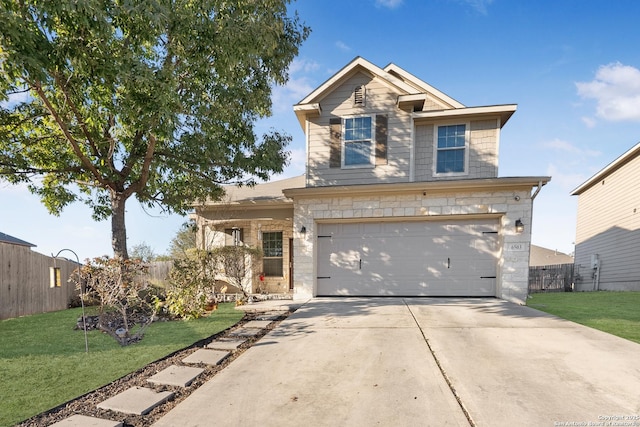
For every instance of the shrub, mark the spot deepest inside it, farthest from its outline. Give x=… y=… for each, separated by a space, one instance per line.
x=191 y=284
x=122 y=290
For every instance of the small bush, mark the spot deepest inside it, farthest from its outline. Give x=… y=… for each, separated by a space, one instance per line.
x=121 y=287
x=191 y=285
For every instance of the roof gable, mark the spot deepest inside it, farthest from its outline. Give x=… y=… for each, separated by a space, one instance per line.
x=406 y=85
x=421 y=86
x=607 y=170
x=359 y=64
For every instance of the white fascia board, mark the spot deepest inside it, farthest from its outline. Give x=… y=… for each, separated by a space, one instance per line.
x=504 y=111
x=356 y=62
x=411 y=99
x=628 y=155
x=424 y=86
x=441 y=186
x=304 y=110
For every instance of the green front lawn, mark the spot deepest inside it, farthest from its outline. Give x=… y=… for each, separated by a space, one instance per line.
x=617 y=313
x=43 y=361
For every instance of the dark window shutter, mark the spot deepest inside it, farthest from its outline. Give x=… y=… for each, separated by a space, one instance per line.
x=381 y=140
x=335 y=148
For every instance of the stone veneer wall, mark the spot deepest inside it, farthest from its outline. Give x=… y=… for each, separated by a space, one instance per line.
x=513 y=259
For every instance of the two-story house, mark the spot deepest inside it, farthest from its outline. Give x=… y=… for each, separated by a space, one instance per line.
x=608 y=227
x=401 y=197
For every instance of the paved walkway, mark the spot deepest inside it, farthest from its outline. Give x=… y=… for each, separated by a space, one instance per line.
x=421 y=361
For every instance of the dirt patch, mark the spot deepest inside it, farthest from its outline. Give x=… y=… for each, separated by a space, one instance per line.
x=87 y=404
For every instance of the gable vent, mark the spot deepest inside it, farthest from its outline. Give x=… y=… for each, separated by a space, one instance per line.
x=359 y=96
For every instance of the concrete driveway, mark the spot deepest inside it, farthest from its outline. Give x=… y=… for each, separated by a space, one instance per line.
x=422 y=362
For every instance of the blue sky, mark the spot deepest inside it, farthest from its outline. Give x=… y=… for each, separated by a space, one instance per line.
x=573 y=68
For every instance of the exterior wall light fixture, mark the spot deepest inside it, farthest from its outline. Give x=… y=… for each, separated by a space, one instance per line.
x=303 y=230
x=519 y=226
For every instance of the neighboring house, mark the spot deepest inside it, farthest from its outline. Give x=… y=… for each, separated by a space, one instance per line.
x=401 y=197
x=25 y=285
x=540 y=256
x=608 y=227
x=5 y=238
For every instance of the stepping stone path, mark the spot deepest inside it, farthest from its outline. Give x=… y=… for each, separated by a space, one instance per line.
x=208 y=357
x=245 y=332
x=141 y=400
x=84 y=421
x=179 y=376
x=270 y=317
x=136 y=400
x=257 y=324
x=226 y=344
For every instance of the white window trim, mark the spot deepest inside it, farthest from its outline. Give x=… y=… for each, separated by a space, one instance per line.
x=281 y=258
x=372 y=155
x=467 y=138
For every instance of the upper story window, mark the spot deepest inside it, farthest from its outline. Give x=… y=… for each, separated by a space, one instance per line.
x=358 y=144
x=451 y=149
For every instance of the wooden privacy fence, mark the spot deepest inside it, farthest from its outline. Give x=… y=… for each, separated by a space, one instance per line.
x=24 y=282
x=551 y=278
x=159 y=272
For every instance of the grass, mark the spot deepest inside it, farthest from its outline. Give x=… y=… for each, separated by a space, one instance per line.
x=613 y=312
x=43 y=361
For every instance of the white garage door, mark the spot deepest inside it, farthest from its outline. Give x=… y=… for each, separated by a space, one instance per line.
x=425 y=258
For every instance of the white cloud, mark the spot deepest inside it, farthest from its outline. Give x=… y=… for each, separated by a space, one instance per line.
x=589 y=122
x=563 y=178
x=342 y=46
x=567 y=147
x=479 y=6
x=389 y=4
x=297 y=87
x=616 y=89
x=16 y=98
x=302 y=65
x=569 y=164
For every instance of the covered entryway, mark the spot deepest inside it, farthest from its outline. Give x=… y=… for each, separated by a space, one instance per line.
x=409 y=258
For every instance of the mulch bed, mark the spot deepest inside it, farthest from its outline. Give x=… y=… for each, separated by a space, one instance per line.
x=87 y=404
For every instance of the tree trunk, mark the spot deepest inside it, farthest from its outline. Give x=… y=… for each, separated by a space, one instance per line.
x=118 y=227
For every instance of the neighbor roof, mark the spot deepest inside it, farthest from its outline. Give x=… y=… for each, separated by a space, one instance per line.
x=543 y=256
x=608 y=170
x=5 y=238
x=269 y=192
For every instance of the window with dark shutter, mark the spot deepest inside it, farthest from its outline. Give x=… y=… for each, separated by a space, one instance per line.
x=358 y=141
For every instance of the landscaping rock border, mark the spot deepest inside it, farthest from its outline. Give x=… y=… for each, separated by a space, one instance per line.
x=88 y=404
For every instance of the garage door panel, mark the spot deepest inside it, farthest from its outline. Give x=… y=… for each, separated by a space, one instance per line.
x=407 y=258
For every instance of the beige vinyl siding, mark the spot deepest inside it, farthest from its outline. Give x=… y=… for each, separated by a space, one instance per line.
x=380 y=99
x=483 y=151
x=608 y=225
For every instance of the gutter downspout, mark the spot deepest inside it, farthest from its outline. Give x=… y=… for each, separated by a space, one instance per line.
x=533 y=196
